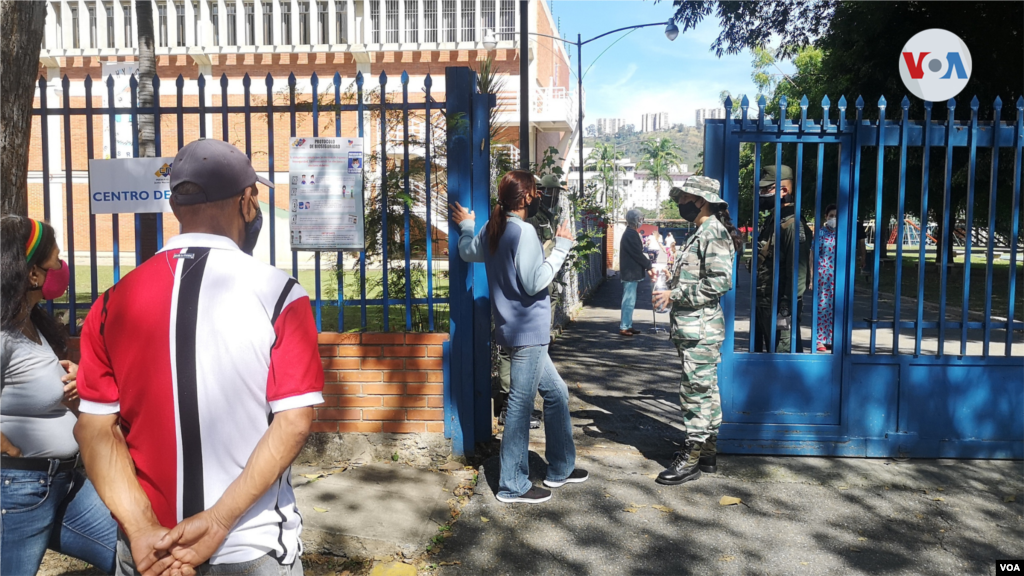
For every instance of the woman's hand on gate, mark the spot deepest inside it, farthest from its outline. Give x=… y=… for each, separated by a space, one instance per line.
x=459 y=213
x=563 y=230
x=661 y=298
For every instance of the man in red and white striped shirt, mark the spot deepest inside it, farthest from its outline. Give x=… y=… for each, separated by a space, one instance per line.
x=201 y=367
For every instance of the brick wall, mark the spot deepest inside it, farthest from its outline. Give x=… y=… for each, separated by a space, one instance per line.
x=376 y=382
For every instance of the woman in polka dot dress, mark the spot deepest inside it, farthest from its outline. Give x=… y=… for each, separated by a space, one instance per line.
x=826 y=279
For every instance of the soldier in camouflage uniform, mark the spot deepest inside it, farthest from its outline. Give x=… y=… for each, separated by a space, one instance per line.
x=700 y=275
x=545 y=222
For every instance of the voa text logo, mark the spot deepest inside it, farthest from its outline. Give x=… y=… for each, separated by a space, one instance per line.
x=935 y=65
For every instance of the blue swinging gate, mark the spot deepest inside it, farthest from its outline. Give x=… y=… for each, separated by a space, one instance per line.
x=911 y=373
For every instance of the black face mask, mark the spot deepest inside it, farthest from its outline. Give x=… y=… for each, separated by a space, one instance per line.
x=252 y=231
x=766 y=203
x=533 y=207
x=689 y=211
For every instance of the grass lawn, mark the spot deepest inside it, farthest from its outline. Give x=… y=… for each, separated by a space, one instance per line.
x=328 y=295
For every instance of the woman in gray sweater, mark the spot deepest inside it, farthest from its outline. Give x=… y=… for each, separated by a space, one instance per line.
x=518 y=276
x=47 y=502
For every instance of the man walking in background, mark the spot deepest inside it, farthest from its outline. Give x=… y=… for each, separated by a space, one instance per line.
x=633 y=265
x=200 y=328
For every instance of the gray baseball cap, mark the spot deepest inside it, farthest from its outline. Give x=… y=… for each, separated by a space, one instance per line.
x=220 y=169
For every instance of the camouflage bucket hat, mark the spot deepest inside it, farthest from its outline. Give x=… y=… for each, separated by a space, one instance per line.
x=700 y=186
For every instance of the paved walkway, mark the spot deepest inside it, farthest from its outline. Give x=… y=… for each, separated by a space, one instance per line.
x=809 y=516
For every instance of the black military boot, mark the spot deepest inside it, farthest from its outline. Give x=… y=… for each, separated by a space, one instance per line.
x=708 y=452
x=684 y=468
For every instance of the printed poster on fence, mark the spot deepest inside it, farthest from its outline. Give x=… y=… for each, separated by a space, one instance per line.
x=130 y=185
x=326 y=193
x=122 y=73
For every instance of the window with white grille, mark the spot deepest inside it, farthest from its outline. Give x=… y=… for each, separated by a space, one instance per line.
x=286 y=22
x=304 y=23
x=411 y=21
x=391 y=21
x=468 y=20
x=129 y=34
x=449 y=29
x=250 y=24
x=488 y=19
x=161 y=11
x=198 y=30
x=375 y=21
x=231 y=25
x=108 y=9
x=215 y=23
x=341 y=21
x=179 y=19
x=93 y=40
x=430 y=20
x=507 y=20
x=268 y=24
x=75 y=42
x=58 y=31
x=322 y=23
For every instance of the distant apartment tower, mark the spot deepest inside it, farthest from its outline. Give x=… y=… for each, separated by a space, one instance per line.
x=654 y=121
x=703 y=114
x=609 y=125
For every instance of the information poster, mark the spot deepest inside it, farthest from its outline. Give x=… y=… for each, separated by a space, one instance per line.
x=130 y=185
x=121 y=73
x=326 y=193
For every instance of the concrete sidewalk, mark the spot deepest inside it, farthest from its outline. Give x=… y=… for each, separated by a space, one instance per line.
x=797 y=516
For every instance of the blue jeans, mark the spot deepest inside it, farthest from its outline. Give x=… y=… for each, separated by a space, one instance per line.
x=61 y=512
x=628 y=303
x=532 y=370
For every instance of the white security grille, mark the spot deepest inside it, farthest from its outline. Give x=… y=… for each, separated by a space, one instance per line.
x=488 y=19
x=448 y=24
x=341 y=21
x=507 y=20
x=468 y=20
x=411 y=21
x=375 y=21
x=391 y=21
x=430 y=20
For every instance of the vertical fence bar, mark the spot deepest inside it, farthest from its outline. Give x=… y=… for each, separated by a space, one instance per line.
x=816 y=241
x=972 y=173
x=70 y=200
x=270 y=164
x=854 y=211
x=114 y=221
x=292 y=133
x=224 y=108
x=384 y=236
x=201 y=83
x=427 y=83
x=776 y=296
x=1015 y=225
x=45 y=141
x=158 y=148
x=90 y=151
x=944 y=247
x=480 y=155
x=997 y=108
x=796 y=304
x=314 y=82
x=408 y=198
x=133 y=83
x=361 y=109
x=846 y=233
x=339 y=277
x=922 y=246
x=754 y=251
x=877 y=256
x=898 y=299
x=179 y=84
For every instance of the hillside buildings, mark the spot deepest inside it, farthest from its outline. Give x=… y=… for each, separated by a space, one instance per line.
x=703 y=114
x=654 y=122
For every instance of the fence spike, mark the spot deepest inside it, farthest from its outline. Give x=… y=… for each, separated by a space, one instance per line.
x=951 y=103
x=745 y=102
x=405 y=77
x=881 y=102
x=761 y=102
x=42 y=82
x=859 y=103
x=1020 y=103
x=133 y=81
x=291 y=78
x=88 y=82
x=783 y=105
x=337 y=78
x=803 y=101
x=974 y=103
x=201 y=81
x=246 y=81
x=359 y=79
x=156 y=82
x=728 y=105
x=180 y=81
x=428 y=82
x=997 y=103
x=905 y=103
x=224 y=80
x=928 y=105
x=842 y=102
x=269 y=81
x=826 y=103
x=314 y=79
x=383 y=78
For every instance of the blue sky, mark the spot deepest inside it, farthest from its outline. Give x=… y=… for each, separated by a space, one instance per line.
x=644 y=72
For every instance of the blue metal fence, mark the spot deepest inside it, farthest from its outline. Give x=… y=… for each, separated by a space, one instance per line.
x=429 y=111
x=959 y=389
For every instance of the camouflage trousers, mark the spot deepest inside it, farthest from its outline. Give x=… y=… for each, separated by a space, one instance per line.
x=698 y=389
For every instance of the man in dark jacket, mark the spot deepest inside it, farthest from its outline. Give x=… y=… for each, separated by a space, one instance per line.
x=633 y=265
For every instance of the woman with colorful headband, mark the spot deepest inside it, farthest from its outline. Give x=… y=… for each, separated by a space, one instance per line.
x=46 y=501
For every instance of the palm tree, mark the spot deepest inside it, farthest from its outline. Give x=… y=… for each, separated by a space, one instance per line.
x=604 y=159
x=659 y=158
x=147 y=131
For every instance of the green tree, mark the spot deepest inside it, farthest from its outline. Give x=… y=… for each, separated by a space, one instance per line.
x=659 y=158
x=604 y=159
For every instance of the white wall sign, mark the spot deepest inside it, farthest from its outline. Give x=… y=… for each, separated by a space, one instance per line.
x=326 y=193
x=130 y=185
x=122 y=73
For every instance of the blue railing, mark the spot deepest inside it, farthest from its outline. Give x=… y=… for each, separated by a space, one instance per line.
x=428 y=109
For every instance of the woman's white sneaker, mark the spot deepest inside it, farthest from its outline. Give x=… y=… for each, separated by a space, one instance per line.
x=578 y=475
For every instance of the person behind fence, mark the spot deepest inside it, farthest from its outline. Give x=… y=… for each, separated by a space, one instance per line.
x=826 y=279
x=198 y=376
x=766 y=241
x=46 y=501
x=701 y=274
x=633 y=264
x=545 y=223
x=518 y=275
